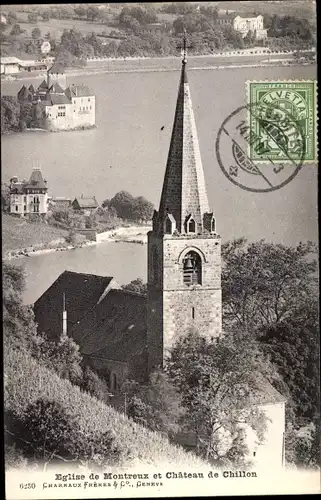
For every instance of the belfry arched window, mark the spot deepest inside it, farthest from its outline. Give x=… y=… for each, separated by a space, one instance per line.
x=213 y=225
x=192 y=269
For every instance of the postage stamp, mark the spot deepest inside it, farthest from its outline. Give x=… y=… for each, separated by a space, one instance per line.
x=282 y=114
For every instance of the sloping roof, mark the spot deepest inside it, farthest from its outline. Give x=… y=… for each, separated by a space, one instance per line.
x=36 y=179
x=184 y=190
x=87 y=202
x=10 y=60
x=31 y=88
x=261 y=392
x=82 y=292
x=43 y=86
x=115 y=329
x=227 y=15
x=56 y=89
x=53 y=99
x=57 y=68
x=78 y=91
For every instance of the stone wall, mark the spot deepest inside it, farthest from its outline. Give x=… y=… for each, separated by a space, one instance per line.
x=174 y=307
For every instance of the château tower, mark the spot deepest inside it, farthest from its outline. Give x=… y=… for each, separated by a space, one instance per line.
x=184 y=249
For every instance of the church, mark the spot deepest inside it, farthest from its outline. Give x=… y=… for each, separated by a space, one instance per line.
x=124 y=334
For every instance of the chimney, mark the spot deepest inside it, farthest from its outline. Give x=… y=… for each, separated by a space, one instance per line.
x=64 y=315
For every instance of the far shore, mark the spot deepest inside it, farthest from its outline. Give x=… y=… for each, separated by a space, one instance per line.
x=131 y=234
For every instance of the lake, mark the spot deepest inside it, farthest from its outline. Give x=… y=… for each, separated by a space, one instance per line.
x=128 y=150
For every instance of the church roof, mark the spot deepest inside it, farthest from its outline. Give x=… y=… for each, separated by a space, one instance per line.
x=184 y=190
x=115 y=328
x=82 y=292
x=52 y=99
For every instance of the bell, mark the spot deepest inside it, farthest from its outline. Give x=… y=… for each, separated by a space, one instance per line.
x=188 y=263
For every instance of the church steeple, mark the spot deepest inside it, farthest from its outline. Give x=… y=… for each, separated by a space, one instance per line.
x=184 y=256
x=184 y=192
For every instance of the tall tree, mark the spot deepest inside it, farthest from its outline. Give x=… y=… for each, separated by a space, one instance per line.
x=264 y=283
x=218 y=382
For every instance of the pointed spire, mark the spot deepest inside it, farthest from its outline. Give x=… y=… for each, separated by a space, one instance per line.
x=184 y=191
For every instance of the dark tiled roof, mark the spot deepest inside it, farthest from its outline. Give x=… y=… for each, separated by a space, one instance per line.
x=56 y=68
x=115 y=329
x=82 y=292
x=36 y=179
x=56 y=89
x=87 y=202
x=52 y=99
x=78 y=91
x=43 y=86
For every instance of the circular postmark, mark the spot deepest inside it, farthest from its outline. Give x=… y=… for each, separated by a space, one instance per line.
x=244 y=142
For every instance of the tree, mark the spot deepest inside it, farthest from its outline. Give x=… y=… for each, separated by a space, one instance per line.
x=16 y=30
x=265 y=283
x=156 y=405
x=19 y=327
x=142 y=209
x=122 y=202
x=292 y=348
x=32 y=17
x=80 y=11
x=136 y=285
x=218 y=382
x=12 y=17
x=93 y=13
x=10 y=113
x=36 y=33
x=45 y=16
x=92 y=383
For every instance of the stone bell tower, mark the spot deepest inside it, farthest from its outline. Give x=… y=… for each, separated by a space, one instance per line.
x=184 y=249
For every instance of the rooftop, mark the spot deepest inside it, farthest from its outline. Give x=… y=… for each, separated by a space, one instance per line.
x=78 y=91
x=87 y=202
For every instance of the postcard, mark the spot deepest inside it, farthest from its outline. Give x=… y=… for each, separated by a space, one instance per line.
x=160 y=249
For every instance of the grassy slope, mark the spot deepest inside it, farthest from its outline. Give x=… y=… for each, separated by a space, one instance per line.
x=26 y=380
x=20 y=234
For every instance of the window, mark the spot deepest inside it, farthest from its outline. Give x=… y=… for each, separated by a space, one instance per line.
x=25 y=199
x=25 y=208
x=213 y=225
x=168 y=226
x=88 y=99
x=191 y=226
x=193 y=312
x=17 y=208
x=155 y=264
x=192 y=269
x=113 y=384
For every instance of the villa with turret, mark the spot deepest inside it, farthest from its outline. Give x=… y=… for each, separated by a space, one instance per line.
x=58 y=107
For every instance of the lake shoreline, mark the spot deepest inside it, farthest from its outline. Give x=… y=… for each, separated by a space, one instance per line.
x=131 y=234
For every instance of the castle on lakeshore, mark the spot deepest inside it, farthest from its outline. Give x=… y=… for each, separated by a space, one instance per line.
x=123 y=334
x=58 y=107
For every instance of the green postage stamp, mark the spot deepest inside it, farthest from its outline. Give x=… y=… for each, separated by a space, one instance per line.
x=282 y=120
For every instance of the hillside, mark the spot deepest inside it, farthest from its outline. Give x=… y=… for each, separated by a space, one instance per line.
x=26 y=381
x=21 y=234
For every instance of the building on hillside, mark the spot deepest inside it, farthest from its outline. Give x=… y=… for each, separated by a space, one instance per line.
x=3 y=19
x=57 y=107
x=59 y=203
x=244 y=24
x=124 y=334
x=29 y=197
x=9 y=65
x=86 y=204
